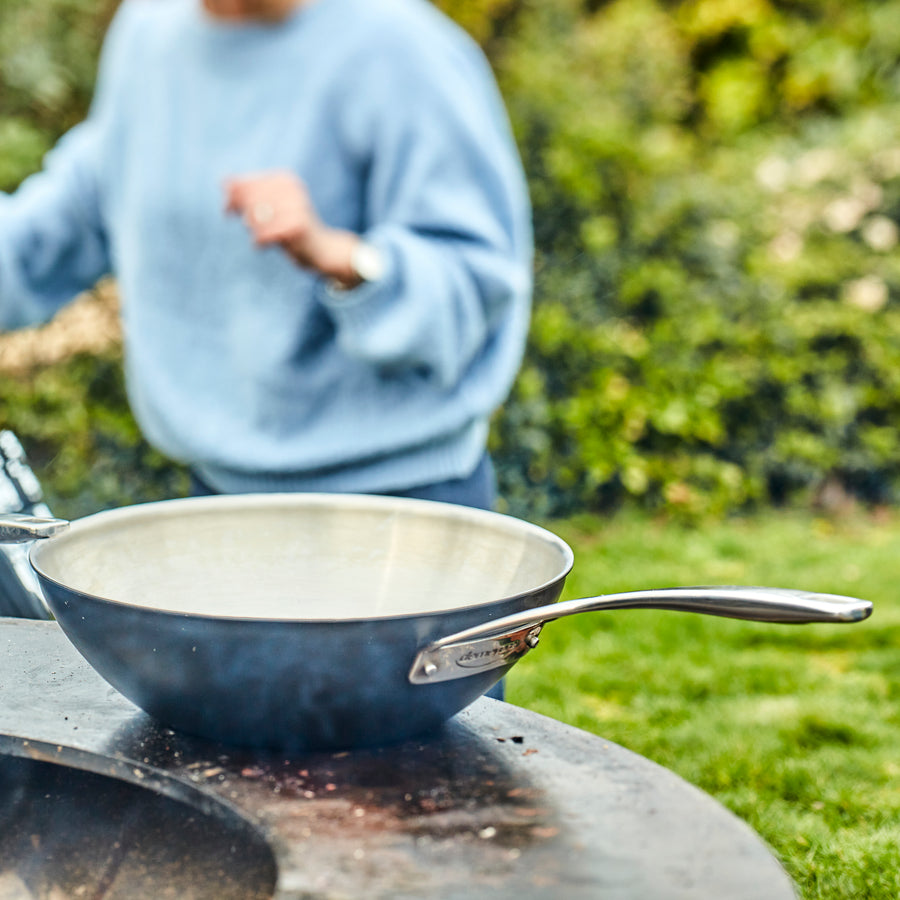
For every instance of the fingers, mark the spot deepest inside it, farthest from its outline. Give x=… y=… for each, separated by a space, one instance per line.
x=277 y=210
x=275 y=206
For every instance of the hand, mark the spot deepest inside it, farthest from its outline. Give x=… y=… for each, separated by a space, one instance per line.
x=277 y=209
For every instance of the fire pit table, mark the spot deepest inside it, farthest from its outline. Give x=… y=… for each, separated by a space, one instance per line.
x=98 y=800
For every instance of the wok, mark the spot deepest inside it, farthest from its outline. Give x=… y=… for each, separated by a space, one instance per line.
x=315 y=621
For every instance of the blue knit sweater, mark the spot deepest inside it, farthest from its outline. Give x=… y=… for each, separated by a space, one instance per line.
x=238 y=361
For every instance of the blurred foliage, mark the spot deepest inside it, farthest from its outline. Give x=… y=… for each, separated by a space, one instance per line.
x=716 y=189
x=81 y=439
x=483 y=19
x=48 y=59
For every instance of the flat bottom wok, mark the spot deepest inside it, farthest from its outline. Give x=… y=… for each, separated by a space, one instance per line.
x=292 y=621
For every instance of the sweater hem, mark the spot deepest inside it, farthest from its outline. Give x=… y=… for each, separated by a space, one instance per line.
x=454 y=457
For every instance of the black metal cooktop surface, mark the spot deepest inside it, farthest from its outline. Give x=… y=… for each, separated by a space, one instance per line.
x=100 y=801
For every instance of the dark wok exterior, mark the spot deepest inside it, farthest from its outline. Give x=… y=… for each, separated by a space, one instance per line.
x=271 y=684
x=290 y=683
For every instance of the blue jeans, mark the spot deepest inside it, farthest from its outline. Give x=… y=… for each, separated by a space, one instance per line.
x=478 y=489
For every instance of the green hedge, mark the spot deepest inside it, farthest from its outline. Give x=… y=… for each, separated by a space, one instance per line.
x=716 y=190
x=48 y=57
x=81 y=439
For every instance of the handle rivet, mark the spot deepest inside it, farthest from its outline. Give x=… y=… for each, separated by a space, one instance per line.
x=429 y=669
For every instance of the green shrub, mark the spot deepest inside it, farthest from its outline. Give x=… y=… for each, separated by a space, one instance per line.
x=81 y=439
x=48 y=59
x=716 y=198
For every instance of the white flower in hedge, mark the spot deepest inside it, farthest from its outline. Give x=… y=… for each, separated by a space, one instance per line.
x=773 y=173
x=868 y=192
x=816 y=165
x=869 y=293
x=845 y=213
x=887 y=162
x=880 y=233
x=786 y=247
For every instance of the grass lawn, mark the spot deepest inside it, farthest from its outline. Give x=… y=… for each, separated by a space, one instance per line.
x=794 y=728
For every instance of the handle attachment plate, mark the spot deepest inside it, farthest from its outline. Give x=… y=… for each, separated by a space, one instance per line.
x=437 y=663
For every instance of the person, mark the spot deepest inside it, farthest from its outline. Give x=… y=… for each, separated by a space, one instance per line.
x=320 y=232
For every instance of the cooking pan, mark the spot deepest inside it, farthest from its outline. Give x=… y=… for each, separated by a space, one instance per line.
x=316 y=621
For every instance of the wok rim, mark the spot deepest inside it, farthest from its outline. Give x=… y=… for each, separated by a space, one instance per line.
x=361 y=501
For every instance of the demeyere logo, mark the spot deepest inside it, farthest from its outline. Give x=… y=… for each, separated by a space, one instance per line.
x=488 y=654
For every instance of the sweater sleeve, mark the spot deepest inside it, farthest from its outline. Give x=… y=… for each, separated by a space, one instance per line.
x=447 y=206
x=53 y=240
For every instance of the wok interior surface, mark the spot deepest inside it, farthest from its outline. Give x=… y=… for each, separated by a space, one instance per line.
x=303 y=557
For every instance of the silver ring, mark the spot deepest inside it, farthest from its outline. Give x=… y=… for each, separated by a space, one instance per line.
x=263 y=213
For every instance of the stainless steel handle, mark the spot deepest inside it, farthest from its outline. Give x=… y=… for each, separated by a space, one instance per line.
x=502 y=641
x=16 y=528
